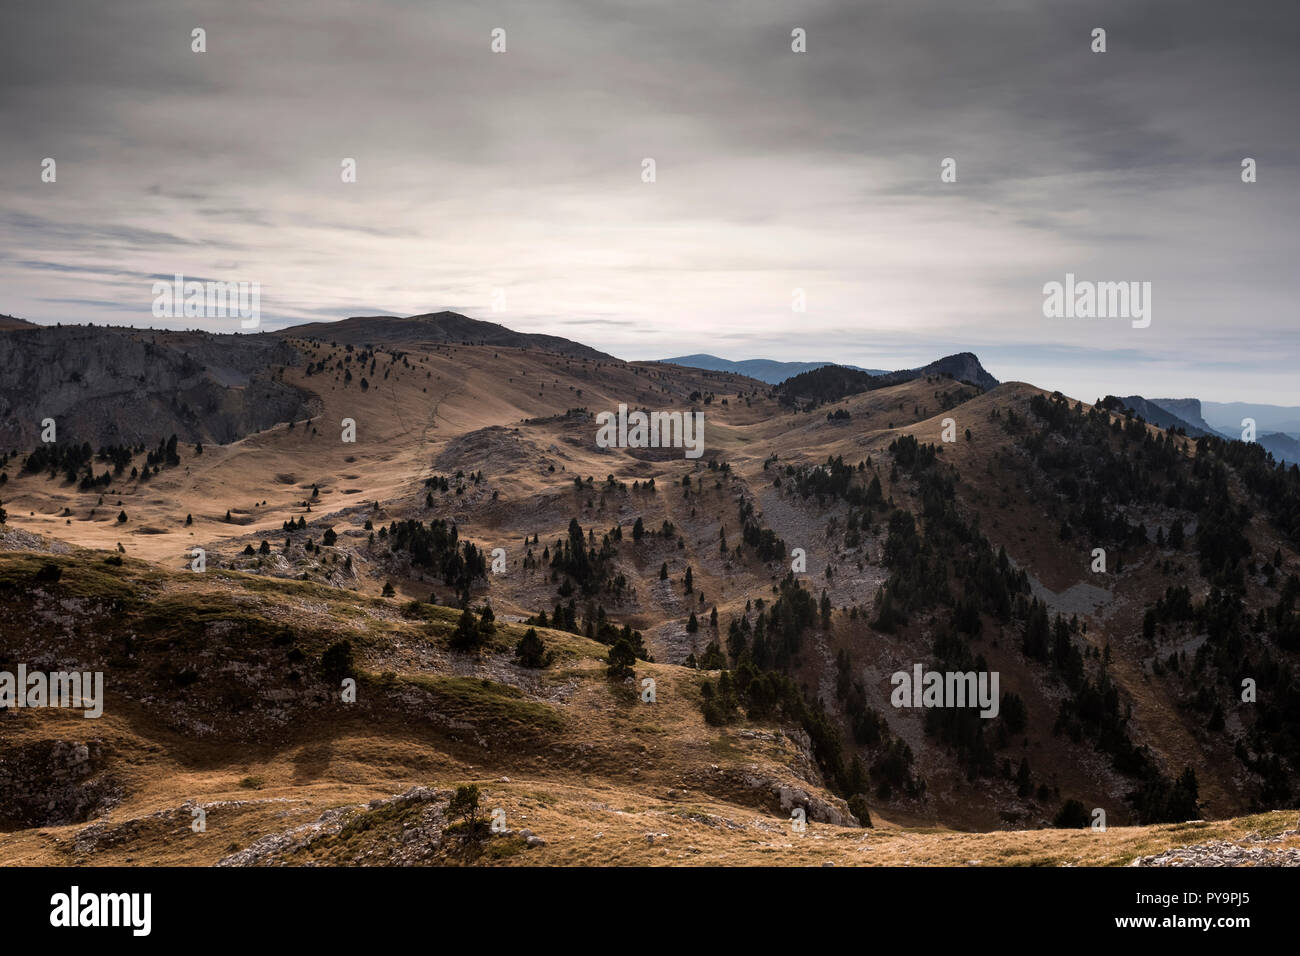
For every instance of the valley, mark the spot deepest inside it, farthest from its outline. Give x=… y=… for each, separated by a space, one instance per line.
x=826 y=538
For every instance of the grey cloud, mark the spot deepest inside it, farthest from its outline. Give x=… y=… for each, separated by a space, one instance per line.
x=775 y=169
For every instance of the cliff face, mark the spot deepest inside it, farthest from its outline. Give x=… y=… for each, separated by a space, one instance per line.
x=114 y=385
x=962 y=367
x=1188 y=409
x=1161 y=416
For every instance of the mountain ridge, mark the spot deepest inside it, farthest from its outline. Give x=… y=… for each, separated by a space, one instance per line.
x=772 y=371
x=445 y=327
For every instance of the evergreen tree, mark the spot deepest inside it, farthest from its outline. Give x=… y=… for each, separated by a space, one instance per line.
x=621 y=660
x=531 y=650
x=466 y=637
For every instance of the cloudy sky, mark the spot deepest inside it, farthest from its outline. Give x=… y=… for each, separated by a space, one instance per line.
x=775 y=170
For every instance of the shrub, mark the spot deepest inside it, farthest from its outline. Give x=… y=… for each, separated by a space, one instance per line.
x=1072 y=816
x=467 y=636
x=858 y=807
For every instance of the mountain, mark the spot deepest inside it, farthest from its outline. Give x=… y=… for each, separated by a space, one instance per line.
x=1283 y=447
x=830 y=383
x=961 y=367
x=964 y=367
x=765 y=370
x=1227 y=417
x=437 y=481
x=1161 y=417
x=435 y=327
x=1188 y=410
x=1167 y=412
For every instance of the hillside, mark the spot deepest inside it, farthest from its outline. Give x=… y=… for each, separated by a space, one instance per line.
x=435 y=327
x=231 y=712
x=474 y=478
x=113 y=385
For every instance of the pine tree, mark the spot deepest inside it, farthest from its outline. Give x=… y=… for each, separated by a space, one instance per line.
x=531 y=650
x=466 y=635
x=621 y=660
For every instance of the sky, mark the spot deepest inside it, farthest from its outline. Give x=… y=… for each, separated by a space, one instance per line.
x=510 y=186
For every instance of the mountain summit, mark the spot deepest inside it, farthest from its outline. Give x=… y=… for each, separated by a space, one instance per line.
x=437 y=328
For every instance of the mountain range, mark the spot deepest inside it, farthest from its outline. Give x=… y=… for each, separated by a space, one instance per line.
x=422 y=571
x=765 y=370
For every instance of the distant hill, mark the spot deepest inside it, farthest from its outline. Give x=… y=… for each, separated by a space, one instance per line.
x=1154 y=412
x=765 y=370
x=1227 y=416
x=833 y=382
x=829 y=383
x=1162 y=412
x=1189 y=410
x=435 y=328
x=1283 y=447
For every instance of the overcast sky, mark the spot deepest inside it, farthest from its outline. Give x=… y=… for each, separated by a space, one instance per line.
x=775 y=170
